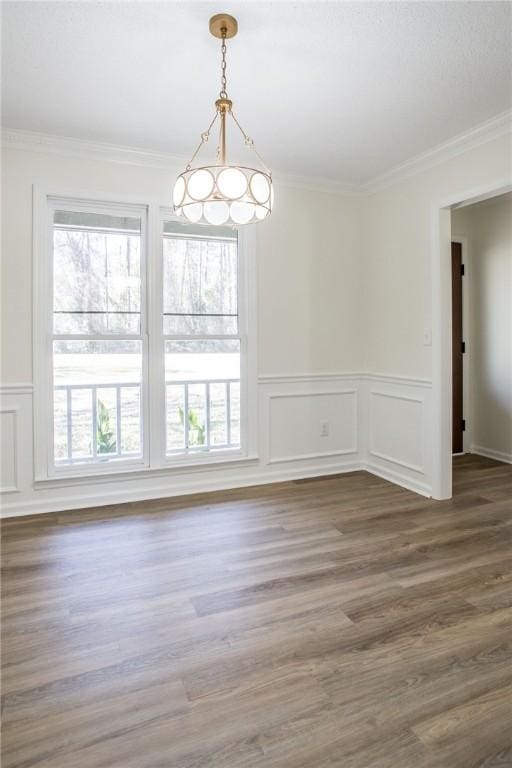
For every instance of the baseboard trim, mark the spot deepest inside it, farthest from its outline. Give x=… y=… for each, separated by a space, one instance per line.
x=183 y=488
x=489 y=453
x=423 y=489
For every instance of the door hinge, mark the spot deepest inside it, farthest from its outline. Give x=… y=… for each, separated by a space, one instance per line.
x=462 y=269
x=463 y=425
x=463 y=347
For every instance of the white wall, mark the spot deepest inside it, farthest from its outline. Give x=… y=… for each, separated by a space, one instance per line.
x=406 y=272
x=487 y=231
x=343 y=303
x=397 y=228
x=308 y=273
x=306 y=255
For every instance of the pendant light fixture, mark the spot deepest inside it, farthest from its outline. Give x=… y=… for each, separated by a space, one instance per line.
x=223 y=194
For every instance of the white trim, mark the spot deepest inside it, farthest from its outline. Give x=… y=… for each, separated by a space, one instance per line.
x=312 y=456
x=156 y=357
x=297 y=378
x=384 y=456
x=66 y=146
x=27 y=388
x=396 y=396
x=45 y=204
x=232 y=469
x=496 y=126
x=440 y=261
x=490 y=453
x=320 y=393
x=398 y=479
x=154 y=457
x=21 y=388
x=35 y=141
x=480 y=134
x=404 y=464
x=177 y=487
x=317 y=454
x=186 y=463
x=407 y=381
x=15 y=488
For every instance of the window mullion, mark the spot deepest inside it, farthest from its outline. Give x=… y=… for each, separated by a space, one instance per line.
x=156 y=360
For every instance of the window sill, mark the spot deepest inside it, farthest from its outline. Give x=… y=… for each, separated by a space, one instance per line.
x=138 y=472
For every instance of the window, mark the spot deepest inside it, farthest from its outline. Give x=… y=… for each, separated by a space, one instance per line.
x=97 y=336
x=202 y=338
x=123 y=382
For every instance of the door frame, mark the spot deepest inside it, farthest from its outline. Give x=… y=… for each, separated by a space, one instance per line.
x=440 y=270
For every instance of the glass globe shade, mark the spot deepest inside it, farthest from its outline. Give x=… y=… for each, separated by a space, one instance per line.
x=260 y=188
x=231 y=183
x=261 y=212
x=200 y=184
x=242 y=213
x=193 y=212
x=216 y=212
x=179 y=191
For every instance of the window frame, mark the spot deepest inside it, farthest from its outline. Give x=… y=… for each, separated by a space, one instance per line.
x=154 y=456
x=243 y=315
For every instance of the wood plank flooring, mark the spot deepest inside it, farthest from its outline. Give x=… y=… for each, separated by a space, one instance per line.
x=338 y=622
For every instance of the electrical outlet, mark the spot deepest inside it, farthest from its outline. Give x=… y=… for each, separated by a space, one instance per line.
x=427 y=337
x=324 y=429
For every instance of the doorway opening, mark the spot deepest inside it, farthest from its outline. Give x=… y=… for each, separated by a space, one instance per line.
x=445 y=369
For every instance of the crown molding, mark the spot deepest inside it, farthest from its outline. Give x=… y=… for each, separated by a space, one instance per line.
x=499 y=125
x=491 y=129
x=17 y=138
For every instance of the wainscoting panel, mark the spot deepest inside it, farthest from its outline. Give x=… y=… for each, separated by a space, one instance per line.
x=312 y=425
x=396 y=423
x=376 y=423
x=16 y=463
x=399 y=438
x=9 y=450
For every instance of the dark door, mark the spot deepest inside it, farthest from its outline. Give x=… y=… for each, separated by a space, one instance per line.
x=457 y=346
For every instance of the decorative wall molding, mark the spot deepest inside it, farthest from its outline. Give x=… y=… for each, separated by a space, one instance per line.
x=315 y=454
x=499 y=125
x=399 y=396
x=404 y=464
x=13 y=485
x=27 y=387
x=17 y=138
x=342 y=398
x=480 y=134
x=33 y=141
x=306 y=378
x=412 y=484
x=23 y=388
x=407 y=381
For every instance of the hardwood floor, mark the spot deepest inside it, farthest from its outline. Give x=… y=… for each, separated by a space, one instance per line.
x=339 y=622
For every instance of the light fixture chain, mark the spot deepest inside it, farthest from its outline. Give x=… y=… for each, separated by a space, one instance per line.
x=223 y=81
x=204 y=138
x=250 y=143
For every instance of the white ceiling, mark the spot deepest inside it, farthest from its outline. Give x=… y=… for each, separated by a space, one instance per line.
x=338 y=90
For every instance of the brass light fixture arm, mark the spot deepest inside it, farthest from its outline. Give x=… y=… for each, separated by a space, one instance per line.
x=204 y=138
x=250 y=143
